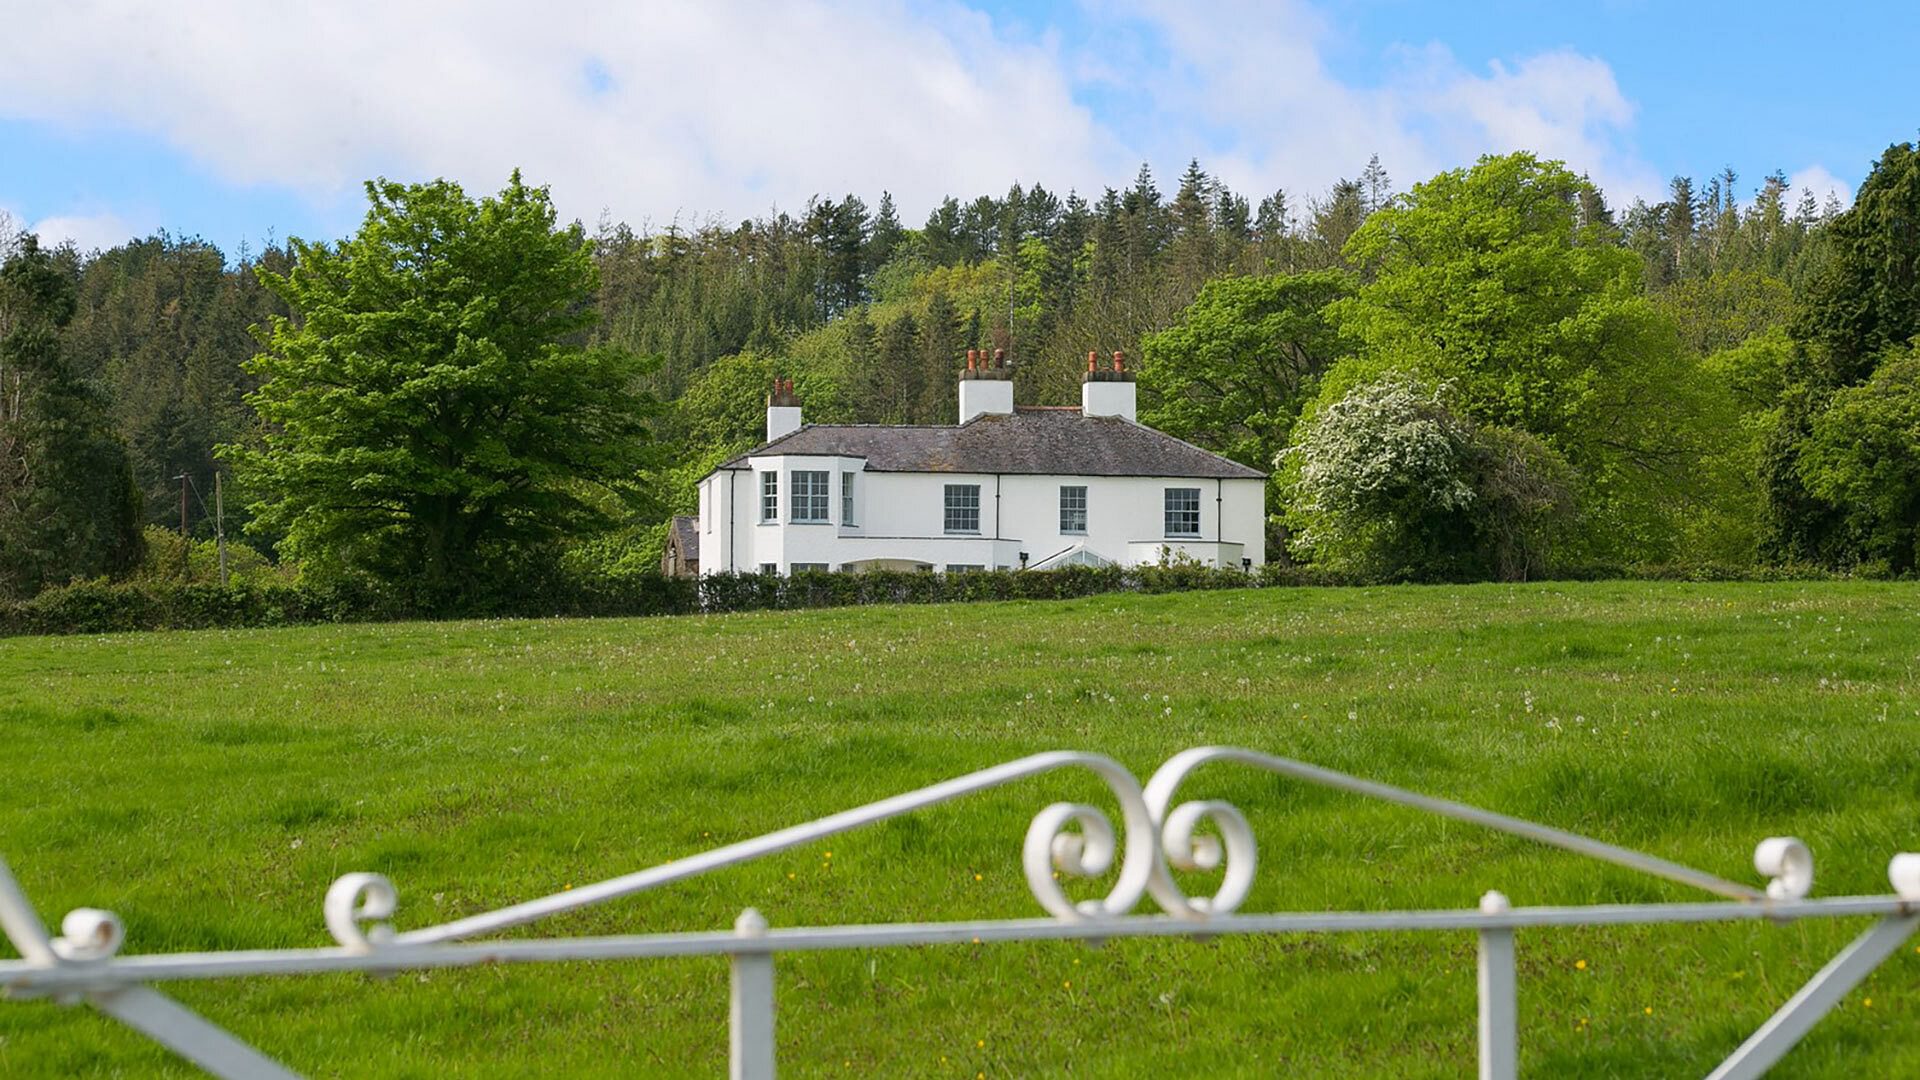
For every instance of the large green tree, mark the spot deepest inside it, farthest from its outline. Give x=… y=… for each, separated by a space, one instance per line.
x=68 y=506
x=1866 y=297
x=432 y=416
x=1232 y=373
x=1489 y=279
x=1862 y=457
x=1862 y=307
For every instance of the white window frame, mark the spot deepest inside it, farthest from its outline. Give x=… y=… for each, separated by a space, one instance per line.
x=1181 y=494
x=808 y=567
x=966 y=568
x=963 y=492
x=1067 y=509
x=770 y=496
x=809 y=496
x=846 y=498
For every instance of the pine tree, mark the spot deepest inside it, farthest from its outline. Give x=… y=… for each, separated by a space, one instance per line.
x=1042 y=213
x=979 y=229
x=1144 y=221
x=1376 y=188
x=940 y=239
x=68 y=505
x=1232 y=216
x=1768 y=243
x=894 y=392
x=885 y=237
x=940 y=347
x=1012 y=223
x=1193 y=253
x=1679 y=221
x=1594 y=212
x=1807 y=214
x=1334 y=220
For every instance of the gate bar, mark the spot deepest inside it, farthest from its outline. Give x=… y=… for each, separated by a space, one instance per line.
x=1816 y=999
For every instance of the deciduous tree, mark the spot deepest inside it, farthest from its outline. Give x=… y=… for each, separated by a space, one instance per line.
x=434 y=417
x=1232 y=373
x=1487 y=279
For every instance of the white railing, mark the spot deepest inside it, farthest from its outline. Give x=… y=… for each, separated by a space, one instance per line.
x=1157 y=837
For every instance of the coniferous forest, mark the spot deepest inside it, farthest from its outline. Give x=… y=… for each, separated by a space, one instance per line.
x=1494 y=373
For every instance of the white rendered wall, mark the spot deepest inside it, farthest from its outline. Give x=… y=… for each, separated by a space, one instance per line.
x=901 y=518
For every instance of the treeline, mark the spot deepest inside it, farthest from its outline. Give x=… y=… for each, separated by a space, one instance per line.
x=1661 y=381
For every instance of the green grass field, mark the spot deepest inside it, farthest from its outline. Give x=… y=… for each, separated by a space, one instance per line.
x=209 y=786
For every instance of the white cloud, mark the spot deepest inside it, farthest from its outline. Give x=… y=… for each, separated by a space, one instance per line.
x=662 y=110
x=1255 y=71
x=87 y=232
x=1817 y=179
x=651 y=110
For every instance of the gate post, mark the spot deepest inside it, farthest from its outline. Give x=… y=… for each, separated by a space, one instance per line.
x=1499 y=1050
x=750 y=1049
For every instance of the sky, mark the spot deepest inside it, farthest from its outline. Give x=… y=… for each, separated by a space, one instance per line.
x=246 y=121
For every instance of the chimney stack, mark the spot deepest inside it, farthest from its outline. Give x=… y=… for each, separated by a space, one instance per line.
x=783 y=409
x=1107 y=392
x=986 y=386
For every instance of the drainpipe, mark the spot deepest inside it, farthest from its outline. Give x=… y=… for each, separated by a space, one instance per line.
x=994 y=552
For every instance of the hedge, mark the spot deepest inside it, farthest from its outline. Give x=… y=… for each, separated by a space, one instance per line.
x=95 y=607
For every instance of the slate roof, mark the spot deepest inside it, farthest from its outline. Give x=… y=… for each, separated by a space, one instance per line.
x=686 y=534
x=1056 y=441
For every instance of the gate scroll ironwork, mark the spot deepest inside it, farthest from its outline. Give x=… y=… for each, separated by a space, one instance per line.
x=1158 y=835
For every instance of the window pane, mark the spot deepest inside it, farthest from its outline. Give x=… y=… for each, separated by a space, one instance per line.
x=769 y=496
x=1073 y=509
x=810 y=494
x=1183 y=511
x=963 y=507
x=846 y=498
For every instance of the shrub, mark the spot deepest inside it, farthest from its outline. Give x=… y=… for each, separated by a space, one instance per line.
x=169 y=557
x=1389 y=481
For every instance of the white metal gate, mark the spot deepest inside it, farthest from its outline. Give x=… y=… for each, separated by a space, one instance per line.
x=1157 y=836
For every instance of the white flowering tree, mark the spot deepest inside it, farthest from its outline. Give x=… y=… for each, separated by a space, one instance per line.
x=1389 y=480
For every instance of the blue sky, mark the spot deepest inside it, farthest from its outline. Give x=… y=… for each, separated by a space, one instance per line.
x=207 y=117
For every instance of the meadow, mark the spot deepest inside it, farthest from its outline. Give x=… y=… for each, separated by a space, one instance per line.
x=208 y=786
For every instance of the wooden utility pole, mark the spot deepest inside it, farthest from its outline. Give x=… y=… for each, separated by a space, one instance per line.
x=220 y=525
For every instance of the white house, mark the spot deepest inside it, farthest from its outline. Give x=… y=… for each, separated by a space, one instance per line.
x=1006 y=488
